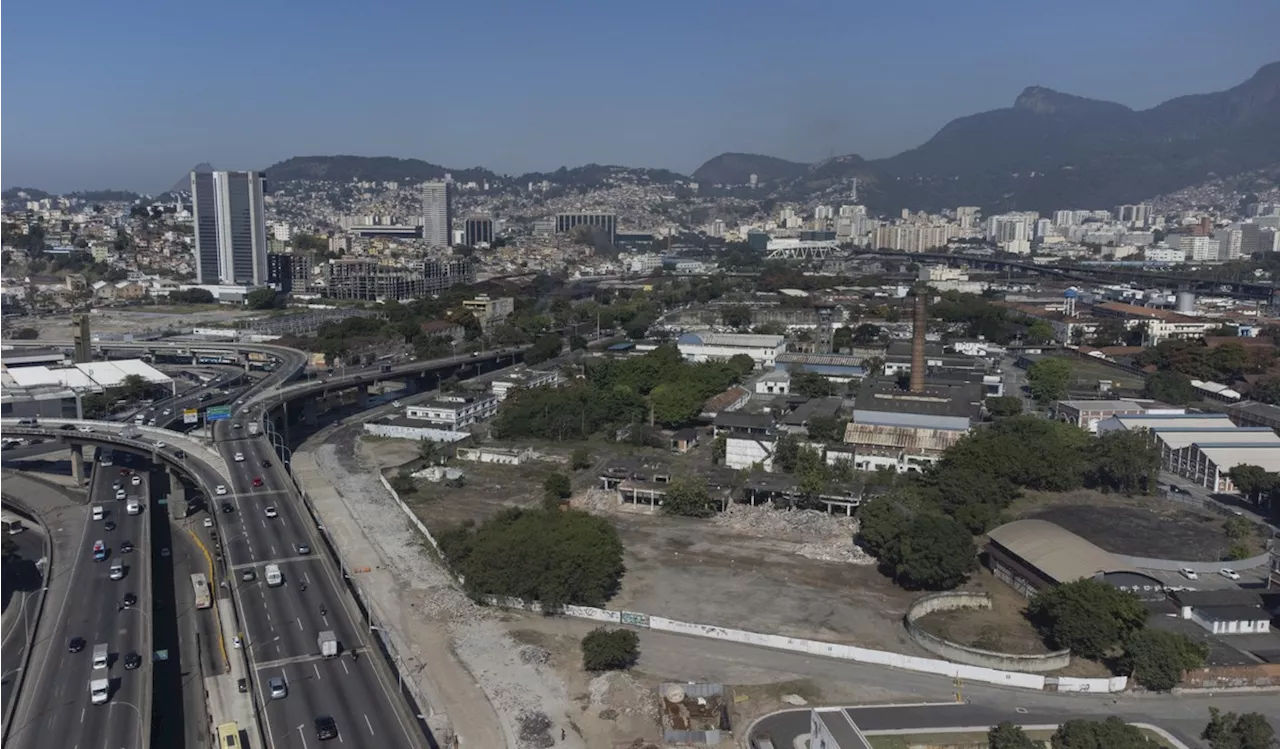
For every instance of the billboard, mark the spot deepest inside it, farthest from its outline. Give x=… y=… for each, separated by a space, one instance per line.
x=191 y=416
x=217 y=413
x=318 y=361
x=258 y=357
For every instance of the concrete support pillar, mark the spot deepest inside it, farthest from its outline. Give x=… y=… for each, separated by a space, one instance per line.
x=362 y=396
x=177 y=495
x=194 y=360
x=309 y=412
x=77 y=463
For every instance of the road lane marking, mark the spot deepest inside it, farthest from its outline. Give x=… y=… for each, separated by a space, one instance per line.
x=344 y=668
x=316 y=668
x=367 y=723
x=300 y=627
x=81 y=715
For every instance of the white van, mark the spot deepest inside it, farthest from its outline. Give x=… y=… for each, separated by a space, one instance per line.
x=117 y=571
x=274 y=577
x=133 y=507
x=98 y=690
x=99 y=512
x=100 y=655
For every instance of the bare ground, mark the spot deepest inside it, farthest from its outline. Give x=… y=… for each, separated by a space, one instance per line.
x=1002 y=628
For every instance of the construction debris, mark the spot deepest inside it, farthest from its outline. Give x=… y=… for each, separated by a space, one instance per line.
x=816 y=535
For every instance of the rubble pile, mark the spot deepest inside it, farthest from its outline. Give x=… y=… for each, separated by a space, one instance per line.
x=818 y=535
x=621 y=692
x=595 y=500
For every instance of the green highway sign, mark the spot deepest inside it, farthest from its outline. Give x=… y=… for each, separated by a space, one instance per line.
x=217 y=413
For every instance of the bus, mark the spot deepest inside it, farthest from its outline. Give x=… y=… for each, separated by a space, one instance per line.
x=12 y=523
x=200 y=586
x=229 y=736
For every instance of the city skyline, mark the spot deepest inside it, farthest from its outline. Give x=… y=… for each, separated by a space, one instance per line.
x=804 y=101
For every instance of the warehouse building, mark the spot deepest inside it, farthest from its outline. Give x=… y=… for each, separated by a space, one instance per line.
x=763 y=349
x=1035 y=555
x=57 y=392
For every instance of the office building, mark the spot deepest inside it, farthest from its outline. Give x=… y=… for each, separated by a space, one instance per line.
x=437 y=213
x=280 y=271
x=230 y=228
x=478 y=230
x=355 y=278
x=1137 y=215
x=606 y=222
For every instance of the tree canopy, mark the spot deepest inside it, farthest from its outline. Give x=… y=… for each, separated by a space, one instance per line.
x=1088 y=616
x=1157 y=659
x=1006 y=735
x=610 y=649
x=1049 y=379
x=688 y=496
x=1112 y=733
x=933 y=552
x=1232 y=731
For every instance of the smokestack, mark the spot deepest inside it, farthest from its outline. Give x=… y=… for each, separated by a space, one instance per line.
x=917 y=342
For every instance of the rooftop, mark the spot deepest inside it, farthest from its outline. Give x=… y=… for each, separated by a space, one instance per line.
x=936 y=400
x=1226 y=457
x=1177 y=438
x=1059 y=554
x=741 y=340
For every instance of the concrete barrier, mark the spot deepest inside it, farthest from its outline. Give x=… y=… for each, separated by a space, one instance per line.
x=971 y=656
x=1172 y=565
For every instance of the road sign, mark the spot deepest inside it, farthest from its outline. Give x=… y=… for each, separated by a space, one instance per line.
x=217 y=413
x=191 y=416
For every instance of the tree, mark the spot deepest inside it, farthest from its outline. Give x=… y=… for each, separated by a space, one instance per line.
x=882 y=520
x=1109 y=333
x=736 y=316
x=1157 y=658
x=865 y=334
x=827 y=428
x=1049 y=379
x=557 y=487
x=610 y=649
x=933 y=552
x=1252 y=481
x=676 y=403
x=688 y=497
x=810 y=384
x=1266 y=390
x=577 y=343
x=1003 y=406
x=1112 y=733
x=1170 y=387
x=719 y=448
x=429 y=451
x=545 y=347
x=264 y=298
x=1125 y=460
x=1232 y=731
x=581 y=458
x=403 y=482
x=134 y=386
x=192 y=296
x=1040 y=331
x=1088 y=616
x=1008 y=736
x=742 y=364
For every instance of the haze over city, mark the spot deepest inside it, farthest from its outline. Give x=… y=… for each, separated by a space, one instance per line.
x=101 y=97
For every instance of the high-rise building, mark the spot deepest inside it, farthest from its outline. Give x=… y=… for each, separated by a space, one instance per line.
x=230 y=227
x=1133 y=214
x=607 y=222
x=478 y=231
x=967 y=216
x=437 y=213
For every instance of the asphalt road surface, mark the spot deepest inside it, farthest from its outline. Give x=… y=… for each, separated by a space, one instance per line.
x=282 y=623
x=22 y=603
x=55 y=709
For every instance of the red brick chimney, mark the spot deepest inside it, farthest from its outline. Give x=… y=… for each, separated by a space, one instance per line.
x=919 y=324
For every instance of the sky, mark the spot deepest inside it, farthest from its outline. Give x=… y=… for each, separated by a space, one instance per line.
x=132 y=94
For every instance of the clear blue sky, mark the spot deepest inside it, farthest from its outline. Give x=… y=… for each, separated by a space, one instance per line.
x=130 y=95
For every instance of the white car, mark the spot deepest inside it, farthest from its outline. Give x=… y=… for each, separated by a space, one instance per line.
x=160 y=445
x=208 y=522
x=220 y=490
x=1229 y=573
x=271 y=512
x=239 y=457
x=120 y=494
x=136 y=480
x=1189 y=573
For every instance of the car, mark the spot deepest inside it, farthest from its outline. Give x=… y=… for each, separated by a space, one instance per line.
x=117 y=571
x=302 y=548
x=86 y=429
x=76 y=644
x=395 y=404
x=235 y=425
x=249 y=576
x=65 y=427
x=208 y=522
x=1189 y=573
x=136 y=480
x=165 y=552
x=266 y=464
x=271 y=512
x=279 y=689
x=220 y=490
x=242 y=685
x=124 y=471
x=161 y=445
x=326 y=728
x=257 y=481
x=120 y=494
x=126 y=547
x=239 y=457
x=236 y=642
x=109 y=525
x=130 y=600
x=1176 y=489
x=179 y=454
x=228 y=507
x=132 y=660
x=1229 y=573
x=167 y=411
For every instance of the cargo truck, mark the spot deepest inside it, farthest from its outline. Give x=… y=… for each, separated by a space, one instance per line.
x=328 y=643
x=100 y=655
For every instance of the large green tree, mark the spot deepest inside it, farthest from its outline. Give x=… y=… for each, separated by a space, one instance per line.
x=1157 y=658
x=1232 y=731
x=676 y=404
x=1008 y=736
x=1170 y=387
x=1252 y=481
x=1003 y=406
x=610 y=649
x=1049 y=379
x=688 y=496
x=1124 y=460
x=933 y=552
x=1112 y=733
x=1088 y=616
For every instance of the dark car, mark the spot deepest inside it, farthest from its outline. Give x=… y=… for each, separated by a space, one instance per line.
x=126 y=547
x=266 y=464
x=227 y=507
x=109 y=525
x=326 y=728
x=76 y=644
x=130 y=600
x=132 y=660
x=67 y=426
x=179 y=454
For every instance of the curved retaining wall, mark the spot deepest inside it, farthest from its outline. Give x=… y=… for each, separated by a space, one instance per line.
x=954 y=651
x=1210 y=567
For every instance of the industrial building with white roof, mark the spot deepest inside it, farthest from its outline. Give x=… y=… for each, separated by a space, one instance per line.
x=1203 y=448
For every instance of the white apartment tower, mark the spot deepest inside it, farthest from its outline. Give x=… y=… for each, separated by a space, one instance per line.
x=437 y=213
x=230 y=227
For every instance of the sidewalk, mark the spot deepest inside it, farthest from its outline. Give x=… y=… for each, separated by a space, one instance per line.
x=226 y=702
x=450 y=689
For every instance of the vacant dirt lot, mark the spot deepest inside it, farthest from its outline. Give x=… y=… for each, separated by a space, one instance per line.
x=694 y=570
x=1002 y=628
x=1137 y=526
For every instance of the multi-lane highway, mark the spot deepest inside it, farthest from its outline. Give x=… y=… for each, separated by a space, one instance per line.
x=55 y=708
x=282 y=623
x=23 y=591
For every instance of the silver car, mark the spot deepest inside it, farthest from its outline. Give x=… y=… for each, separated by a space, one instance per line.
x=279 y=689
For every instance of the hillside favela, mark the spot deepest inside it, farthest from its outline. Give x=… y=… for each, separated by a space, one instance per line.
x=681 y=376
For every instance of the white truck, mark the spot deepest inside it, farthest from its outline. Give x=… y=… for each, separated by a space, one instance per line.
x=133 y=507
x=274 y=577
x=328 y=643
x=253 y=428
x=98 y=690
x=101 y=654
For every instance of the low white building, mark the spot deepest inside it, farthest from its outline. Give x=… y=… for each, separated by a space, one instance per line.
x=412 y=429
x=454 y=412
x=763 y=349
x=499 y=455
x=524 y=378
x=741 y=452
x=777 y=382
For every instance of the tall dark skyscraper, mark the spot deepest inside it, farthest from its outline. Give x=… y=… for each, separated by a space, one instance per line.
x=230 y=227
x=479 y=230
